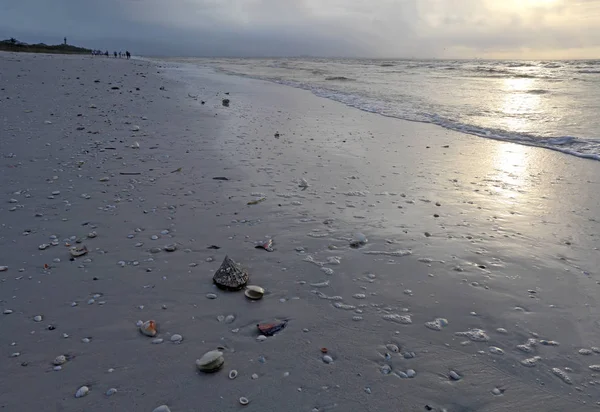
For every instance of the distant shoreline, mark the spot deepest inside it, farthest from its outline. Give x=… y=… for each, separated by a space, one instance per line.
x=6 y=45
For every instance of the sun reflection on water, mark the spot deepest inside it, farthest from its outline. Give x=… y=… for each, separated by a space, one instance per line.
x=520 y=103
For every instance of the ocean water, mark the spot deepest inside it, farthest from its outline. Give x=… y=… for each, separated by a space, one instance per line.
x=551 y=104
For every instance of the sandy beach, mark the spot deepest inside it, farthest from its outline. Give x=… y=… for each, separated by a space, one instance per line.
x=476 y=288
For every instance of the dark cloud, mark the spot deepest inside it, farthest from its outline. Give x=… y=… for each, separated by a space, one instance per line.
x=384 y=28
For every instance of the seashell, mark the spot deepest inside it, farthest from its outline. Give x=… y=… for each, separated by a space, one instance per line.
x=230 y=275
x=233 y=374
x=454 y=376
x=170 y=248
x=393 y=348
x=269 y=329
x=92 y=235
x=162 y=408
x=81 y=392
x=229 y=318
x=77 y=251
x=176 y=338
x=60 y=360
x=303 y=183
x=211 y=361
x=327 y=359
x=157 y=341
x=265 y=244
x=254 y=376
x=3 y=268
x=148 y=328
x=324 y=350
x=111 y=391
x=254 y=292
x=244 y=401
x=261 y=338
x=37 y=318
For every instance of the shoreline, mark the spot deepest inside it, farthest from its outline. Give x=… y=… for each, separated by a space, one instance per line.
x=506 y=225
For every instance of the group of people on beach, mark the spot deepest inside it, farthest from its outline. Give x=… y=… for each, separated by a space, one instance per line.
x=125 y=54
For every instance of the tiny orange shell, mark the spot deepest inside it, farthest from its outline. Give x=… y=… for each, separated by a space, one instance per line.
x=323 y=350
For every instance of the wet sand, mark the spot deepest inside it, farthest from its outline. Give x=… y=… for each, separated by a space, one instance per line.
x=489 y=236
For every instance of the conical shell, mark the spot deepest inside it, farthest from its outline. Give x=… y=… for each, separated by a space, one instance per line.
x=230 y=275
x=211 y=361
x=148 y=328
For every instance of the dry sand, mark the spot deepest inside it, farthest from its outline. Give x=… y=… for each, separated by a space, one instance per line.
x=485 y=234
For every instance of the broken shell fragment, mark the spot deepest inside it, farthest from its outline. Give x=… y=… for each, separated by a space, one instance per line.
x=60 y=360
x=211 y=361
x=269 y=329
x=254 y=292
x=233 y=374
x=265 y=244
x=77 y=251
x=148 y=328
x=230 y=275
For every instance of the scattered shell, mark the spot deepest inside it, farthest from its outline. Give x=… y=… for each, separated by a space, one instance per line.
x=148 y=328
x=530 y=362
x=436 y=324
x=135 y=128
x=265 y=244
x=254 y=292
x=7 y=311
x=157 y=341
x=43 y=246
x=254 y=376
x=211 y=296
x=454 y=376
x=77 y=251
x=176 y=338
x=3 y=268
x=358 y=240
x=92 y=235
x=562 y=375
x=230 y=275
x=269 y=329
x=585 y=352
x=170 y=248
x=233 y=374
x=386 y=369
x=81 y=392
x=162 y=408
x=37 y=318
x=476 y=335
x=303 y=183
x=210 y=361
x=392 y=348
x=497 y=391
x=111 y=392
x=261 y=338
x=327 y=359
x=60 y=360
x=402 y=319
x=244 y=401
x=496 y=350
x=229 y=318
x=595 y=368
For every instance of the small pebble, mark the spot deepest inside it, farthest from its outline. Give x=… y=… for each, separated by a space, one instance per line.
x=157 y=341
x=7 y=311
x=37 y=318
x=3 y=268
x=81 y=392
x=254 y=376
x=176 y=338
x=261 y=338
x=411 y=373
x=111 y=392
x=162 y=408
x=496 y=391
x=327 y=359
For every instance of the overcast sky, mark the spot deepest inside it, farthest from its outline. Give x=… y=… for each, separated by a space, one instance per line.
x=352 y=28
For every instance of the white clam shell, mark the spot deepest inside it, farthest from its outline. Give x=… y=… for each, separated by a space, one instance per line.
x=176 y=338
x=244 y=401
x=162 y=408
x=254 y=292
x=211 y=361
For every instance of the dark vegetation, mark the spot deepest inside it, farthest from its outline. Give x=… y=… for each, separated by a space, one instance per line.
x=14 y=45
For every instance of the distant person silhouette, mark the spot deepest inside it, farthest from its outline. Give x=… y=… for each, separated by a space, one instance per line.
x=115 y=53
x=128 y=55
